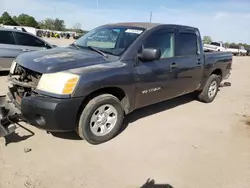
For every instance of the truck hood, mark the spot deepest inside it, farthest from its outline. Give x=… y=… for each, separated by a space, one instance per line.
x=59 y=59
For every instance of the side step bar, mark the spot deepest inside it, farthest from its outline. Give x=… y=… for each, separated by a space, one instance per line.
x=7 y=119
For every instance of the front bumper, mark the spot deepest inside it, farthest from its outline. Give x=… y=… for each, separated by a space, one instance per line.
x=51 y=114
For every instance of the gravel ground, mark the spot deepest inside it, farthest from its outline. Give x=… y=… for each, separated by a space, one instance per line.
x=181 y=143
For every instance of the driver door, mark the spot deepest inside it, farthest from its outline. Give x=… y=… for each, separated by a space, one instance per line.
x=156 y=79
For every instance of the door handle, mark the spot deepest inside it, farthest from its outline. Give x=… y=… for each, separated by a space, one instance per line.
x=26 y=50
x=173 y=65
x=199 y=61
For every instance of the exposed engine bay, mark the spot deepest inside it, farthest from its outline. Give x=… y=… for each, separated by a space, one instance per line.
x=23 y=82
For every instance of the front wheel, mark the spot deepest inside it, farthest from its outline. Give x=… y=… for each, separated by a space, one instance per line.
x=101 y=119
x=210 y=90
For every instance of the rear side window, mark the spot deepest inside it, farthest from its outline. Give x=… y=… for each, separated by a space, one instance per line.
x=186 y=44
x=28 y=40
x=6 y=37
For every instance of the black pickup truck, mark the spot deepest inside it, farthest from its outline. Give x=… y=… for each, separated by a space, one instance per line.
x=114 y=69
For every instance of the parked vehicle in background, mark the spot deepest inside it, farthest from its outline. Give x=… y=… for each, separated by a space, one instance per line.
x=248 y=51
x=90 y=85
x=215 y=47
x=77 y=36
x=14 y=42
x=242 y=51
x=237 y=50
x=31 y=30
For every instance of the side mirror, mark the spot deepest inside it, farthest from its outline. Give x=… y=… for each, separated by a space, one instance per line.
x=48 y=46
x=150 y=54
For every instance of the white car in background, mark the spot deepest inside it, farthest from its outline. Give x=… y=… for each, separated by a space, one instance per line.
x=31 y=30
x=215 y=47
x=237 y=50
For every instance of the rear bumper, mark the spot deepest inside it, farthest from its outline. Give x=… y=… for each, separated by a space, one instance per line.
x=47 y=113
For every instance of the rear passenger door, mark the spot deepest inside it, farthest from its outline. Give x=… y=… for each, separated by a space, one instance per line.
x=189 y=60
x=8 y=49
x=28 y=42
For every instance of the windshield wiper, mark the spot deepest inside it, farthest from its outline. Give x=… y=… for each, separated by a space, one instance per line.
x=77 y=47
x=108 y=52
x=98 y=51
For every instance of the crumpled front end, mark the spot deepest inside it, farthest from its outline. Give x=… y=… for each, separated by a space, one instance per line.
x=22 y=83
x=9 y=116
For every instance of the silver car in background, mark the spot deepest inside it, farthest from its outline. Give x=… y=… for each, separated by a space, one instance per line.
x=14 y=42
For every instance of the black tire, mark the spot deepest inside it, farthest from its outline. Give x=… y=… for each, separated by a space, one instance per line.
x=203 y=96
x=84 y=130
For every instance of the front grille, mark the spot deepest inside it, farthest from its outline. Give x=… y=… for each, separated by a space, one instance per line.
x=23 y=82
x=25 y=75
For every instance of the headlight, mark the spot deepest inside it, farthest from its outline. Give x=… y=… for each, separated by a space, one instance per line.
x=58 y=83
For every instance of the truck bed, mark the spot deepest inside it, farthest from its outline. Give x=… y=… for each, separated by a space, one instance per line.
x=222 y=60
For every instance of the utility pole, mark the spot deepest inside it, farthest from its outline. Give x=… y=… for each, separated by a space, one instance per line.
x=150 y=18
x=54 y=6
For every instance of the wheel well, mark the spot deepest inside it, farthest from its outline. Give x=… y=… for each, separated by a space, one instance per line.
x=117 y=92
x=217 y=72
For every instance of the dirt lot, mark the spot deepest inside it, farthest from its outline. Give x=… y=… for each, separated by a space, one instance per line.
x=181 y=143
x=59 y=42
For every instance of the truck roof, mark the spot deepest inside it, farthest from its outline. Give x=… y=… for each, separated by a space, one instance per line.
x=147 y=25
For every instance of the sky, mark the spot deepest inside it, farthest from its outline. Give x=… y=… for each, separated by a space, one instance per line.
x=223 y=20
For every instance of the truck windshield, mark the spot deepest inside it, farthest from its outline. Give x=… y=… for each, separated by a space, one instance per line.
x=109 y=39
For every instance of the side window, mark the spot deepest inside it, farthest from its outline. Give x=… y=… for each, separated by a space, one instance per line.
x=163 y=41
x=28 y=40
x=6 y=37
x=186 y=44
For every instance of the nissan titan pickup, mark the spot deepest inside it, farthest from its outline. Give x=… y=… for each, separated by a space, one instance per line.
x=89 y=86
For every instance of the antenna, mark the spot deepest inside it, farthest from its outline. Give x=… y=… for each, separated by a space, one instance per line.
x=54 y=6
x=97 y=4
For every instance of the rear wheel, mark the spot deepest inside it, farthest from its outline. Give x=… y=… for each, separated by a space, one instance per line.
x=101 y=119
x=210 y=90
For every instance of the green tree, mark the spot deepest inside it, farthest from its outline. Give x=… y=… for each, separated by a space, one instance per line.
x=26 y=20
x=227 y=44
x=206 y=39
x=77 y=26
x=233 y=45
x=47 y=24
x=14 y=18
x=51 y=24
x=59 y=25
x=6 y=19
